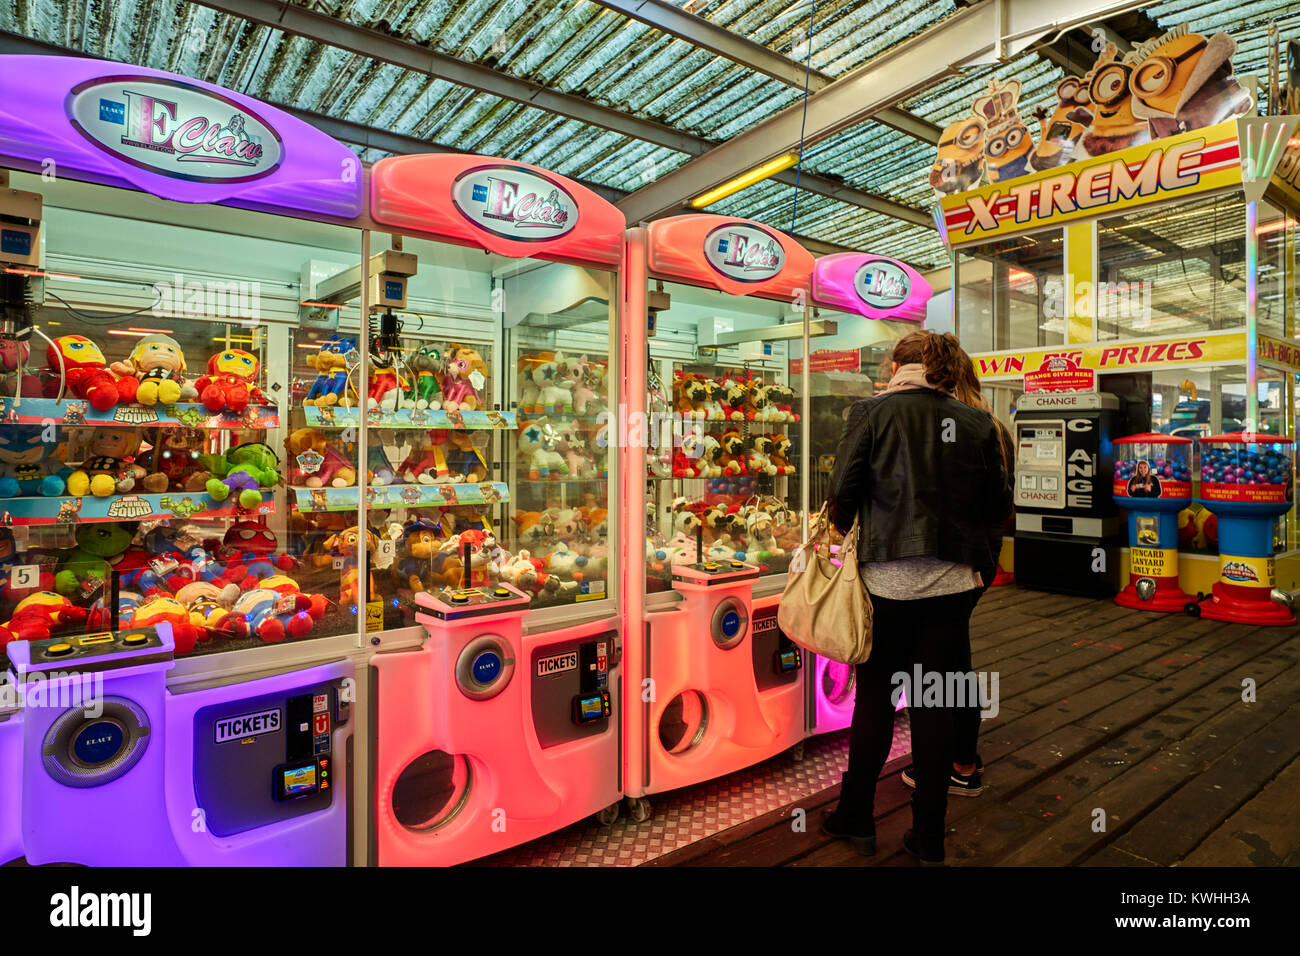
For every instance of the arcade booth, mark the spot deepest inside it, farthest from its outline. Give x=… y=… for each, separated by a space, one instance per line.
x=178 y=638
x=1131 y=276
x=724 y=482
x=495 y=677
x=873 y=301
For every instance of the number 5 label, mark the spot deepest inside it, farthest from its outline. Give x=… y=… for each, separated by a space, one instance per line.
x=25 y=576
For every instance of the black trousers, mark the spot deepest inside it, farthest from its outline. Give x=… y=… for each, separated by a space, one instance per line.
x=934 y=634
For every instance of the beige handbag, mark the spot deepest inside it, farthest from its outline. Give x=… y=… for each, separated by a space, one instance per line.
x=825 y=608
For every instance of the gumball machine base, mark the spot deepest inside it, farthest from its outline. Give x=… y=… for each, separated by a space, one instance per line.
x=1167 y=598
x=1003 y=578
x=1222 y=605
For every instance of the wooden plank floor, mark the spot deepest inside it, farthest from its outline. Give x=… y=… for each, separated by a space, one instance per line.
x=1123 y=739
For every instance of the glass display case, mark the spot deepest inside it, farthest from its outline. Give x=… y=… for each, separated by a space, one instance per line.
x=149 y=436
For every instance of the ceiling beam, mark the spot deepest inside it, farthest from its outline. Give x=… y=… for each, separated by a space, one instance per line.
x=698 y=31
x=987 y=32
x=372 y=44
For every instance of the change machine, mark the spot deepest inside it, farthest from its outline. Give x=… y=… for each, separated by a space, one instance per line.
x=714 y=685
x=1065 y=515
x=179 y=683
x=496 y=672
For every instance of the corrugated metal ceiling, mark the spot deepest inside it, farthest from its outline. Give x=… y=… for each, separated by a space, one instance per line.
x=584 y=49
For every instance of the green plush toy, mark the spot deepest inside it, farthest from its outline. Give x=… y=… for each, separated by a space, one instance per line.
x=244 y=470
x=84 y=568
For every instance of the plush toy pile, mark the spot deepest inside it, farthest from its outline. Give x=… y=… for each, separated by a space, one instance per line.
x=760 y=531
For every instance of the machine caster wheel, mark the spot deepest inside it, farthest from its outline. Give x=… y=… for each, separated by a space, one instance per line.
x=1192 y=608
x=607 y=816
x=797 y=752
x=639 y=809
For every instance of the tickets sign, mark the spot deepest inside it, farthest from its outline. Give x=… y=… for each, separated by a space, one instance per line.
x=1127 y=356
x=1175 y=166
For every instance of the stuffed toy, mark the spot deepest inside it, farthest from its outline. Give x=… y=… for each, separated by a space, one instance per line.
x=173 y=464
x=166 y=609
x=14 y=355
x=595 y=521
x=464 y=379
x=379 y=471
x=690 y=392
x=345 y=545
x=154 y=372
x=427 y=368
x=84 y=569
x=418 y=548
x=245 y=469
x=248 y=554
x=28 y=465
x=687 y=515
x=387 y=386
x=733 y=397
x=210 y=610
x=112 y=470
x=524 y=571
x=554 y=387
x=153 y=568
x=533 y=527
x=781 y=397
x=314 y=463
x=530 y=393
x=79 y=363
x=465 y=461
x=732 y=459
x=573 y=446
x=588 y=386
x=230 y=382
x=330 y=387
x=760 y=456
x=538 y=446
x=36 y=617
x=430 y=465
x=292 y=597
x=781 y=449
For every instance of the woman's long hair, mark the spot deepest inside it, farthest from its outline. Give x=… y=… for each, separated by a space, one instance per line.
x=940 y=354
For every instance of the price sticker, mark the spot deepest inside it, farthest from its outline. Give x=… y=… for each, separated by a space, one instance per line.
x=338 y=562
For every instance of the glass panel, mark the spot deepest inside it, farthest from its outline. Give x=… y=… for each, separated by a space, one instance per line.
x=461 y=455
x=724 y=466
x=1011 y=293
x=1173 y=270
x=144 y=467
x=1272 y=231
x=558 y=320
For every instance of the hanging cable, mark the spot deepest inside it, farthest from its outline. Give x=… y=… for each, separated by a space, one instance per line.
x=89 y=317
x=803 y=120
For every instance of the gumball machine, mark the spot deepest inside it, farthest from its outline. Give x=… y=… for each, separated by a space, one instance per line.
x=1246 y=483
x=1153 y=483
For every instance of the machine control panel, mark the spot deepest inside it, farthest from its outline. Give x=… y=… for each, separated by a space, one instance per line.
x=100 y=651
x=452 y=604
x=706 y=573
x=1040 y=464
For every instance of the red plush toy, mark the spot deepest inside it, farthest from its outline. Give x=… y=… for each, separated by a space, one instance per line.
x=248 y=553
x=230 y=382
x=85 y=370
x=37 y=615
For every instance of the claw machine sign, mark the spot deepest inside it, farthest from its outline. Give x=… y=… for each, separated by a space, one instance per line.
x=174 y=137
x=743 y=252
x=872 y=286
x=175 y=128
x=514 y=203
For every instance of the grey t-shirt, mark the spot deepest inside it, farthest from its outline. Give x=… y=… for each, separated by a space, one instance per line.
x=910 y=579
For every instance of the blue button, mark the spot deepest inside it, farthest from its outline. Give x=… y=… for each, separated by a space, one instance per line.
x=98 y=742
x=730 y=624
x=486 y=667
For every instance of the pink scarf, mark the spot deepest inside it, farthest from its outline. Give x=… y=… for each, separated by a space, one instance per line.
x=908 y=376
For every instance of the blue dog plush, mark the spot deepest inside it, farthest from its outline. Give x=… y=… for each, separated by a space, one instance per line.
x=26 y=467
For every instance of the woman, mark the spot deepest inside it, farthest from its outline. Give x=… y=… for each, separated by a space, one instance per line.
x=1144 y=484
x=967 y=778
x=923 y=475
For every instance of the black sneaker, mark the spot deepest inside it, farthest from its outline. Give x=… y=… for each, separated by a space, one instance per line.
x=838 y=827
x=928 y=852
x=959 y=785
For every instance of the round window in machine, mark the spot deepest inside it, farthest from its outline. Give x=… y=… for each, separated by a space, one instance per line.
x=684 y=721
x=838 y=682
x=432 y=790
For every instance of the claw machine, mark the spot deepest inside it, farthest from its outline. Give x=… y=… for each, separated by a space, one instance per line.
x=716 y=449
x=180 y=683
x=497 y=637
x=872 y=301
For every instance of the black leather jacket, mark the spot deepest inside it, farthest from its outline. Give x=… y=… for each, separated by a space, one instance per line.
x=924 y=473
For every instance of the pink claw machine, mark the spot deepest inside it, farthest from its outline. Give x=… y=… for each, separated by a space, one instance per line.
x=496 y=672
x=718 y=464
